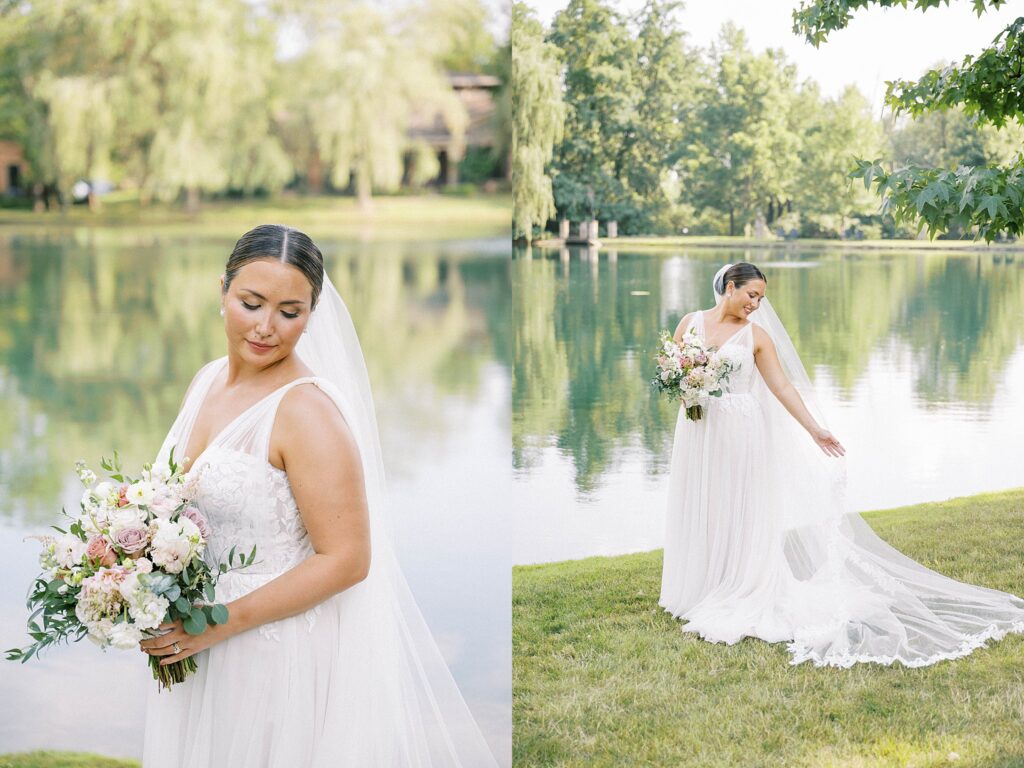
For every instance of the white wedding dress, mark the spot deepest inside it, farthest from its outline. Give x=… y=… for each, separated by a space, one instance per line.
x=758 y=542
x=355 y=682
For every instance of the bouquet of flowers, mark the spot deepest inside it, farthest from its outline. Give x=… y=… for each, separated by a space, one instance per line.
x=130 y=561
x=690 y=372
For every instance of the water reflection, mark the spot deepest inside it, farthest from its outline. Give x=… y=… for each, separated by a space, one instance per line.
x=920 y=350
x=103 y=331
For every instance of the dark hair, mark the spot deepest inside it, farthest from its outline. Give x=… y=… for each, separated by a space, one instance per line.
x=739 y=274
x=281 y=243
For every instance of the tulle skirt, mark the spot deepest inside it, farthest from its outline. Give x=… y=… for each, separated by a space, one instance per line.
x=753 y=548
x=323 y=688
x=721 y=571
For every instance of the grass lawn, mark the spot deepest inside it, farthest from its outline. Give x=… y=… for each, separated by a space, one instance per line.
x=48 y=759
x=739 y=242
x=604 y=677
x=432 y=216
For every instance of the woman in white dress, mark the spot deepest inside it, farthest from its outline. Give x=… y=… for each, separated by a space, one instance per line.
x=325 y=659
x=758 y=541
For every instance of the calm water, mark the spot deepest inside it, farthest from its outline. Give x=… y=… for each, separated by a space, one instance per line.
x=918 y=361
x=102 y=332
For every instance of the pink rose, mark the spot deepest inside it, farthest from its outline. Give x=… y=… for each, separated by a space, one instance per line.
x=98 y=548
x=132 y=539
x=193 y=514
x=122 y=496
x=686 y=361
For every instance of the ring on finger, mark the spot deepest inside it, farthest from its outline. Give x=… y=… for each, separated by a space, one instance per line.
x=176 y=647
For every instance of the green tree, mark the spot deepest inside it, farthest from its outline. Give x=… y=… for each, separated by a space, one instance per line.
x=744 y=151
x=834 y=131
x=601 y=96
x=990 y=89
x=667 y=74
x=538 y=116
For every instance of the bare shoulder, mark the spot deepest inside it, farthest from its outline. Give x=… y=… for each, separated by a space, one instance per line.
x=761 y=338
x=684 y=323
x=308 y=417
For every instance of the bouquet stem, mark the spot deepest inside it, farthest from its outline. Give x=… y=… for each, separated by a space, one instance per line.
x=694 y=412
x=169 y=674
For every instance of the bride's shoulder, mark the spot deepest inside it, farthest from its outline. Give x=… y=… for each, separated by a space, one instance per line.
x=308 y=417
x=687 y=320
x=308 y=408
x=762 y=339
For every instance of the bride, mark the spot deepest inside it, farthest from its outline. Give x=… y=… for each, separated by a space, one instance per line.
x=758 y=541
x=325 y=659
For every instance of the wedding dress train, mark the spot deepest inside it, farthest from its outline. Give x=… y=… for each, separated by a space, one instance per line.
x=759 y=544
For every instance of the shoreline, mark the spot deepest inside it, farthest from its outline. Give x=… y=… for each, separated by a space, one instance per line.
x=741 y=243
x=401 y=217
x=880 y=515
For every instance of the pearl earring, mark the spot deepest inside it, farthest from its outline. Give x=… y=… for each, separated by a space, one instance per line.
x=222 y=311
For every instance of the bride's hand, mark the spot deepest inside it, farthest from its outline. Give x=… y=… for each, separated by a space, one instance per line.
x=828 y=444
x=187 y=645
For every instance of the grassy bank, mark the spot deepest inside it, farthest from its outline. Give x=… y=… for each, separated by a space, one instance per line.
x=406 y=217
x=603 y=677
x=48 y=759
x=737 y=243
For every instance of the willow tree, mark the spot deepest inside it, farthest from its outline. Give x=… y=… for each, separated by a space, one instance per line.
x=538 y=116
x=355 y=89
x=170 y=92
x=990 y=89
x=208 y=127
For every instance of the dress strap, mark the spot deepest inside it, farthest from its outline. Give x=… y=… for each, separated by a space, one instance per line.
x=697 y=322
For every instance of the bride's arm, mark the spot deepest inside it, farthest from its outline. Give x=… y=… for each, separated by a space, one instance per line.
x=767 y=361
x=325 y=474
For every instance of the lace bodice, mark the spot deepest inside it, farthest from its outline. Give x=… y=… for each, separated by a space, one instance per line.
x=246 y=500
x=740 y=349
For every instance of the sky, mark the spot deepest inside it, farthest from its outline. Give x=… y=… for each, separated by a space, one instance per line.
x=879 y=44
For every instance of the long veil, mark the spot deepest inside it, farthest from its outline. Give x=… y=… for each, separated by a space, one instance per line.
x=413 y=700
x=850 y=596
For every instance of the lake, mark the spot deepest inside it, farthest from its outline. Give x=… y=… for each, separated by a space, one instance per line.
x=917 y=358
x=103 y=330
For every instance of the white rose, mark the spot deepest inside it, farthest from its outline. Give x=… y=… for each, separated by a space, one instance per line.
x=99 y=631
x=124 y=635
x=143 y=565
x=148 y=610
x=69 y=550
x=129 y=586
x=125 y=517
x=173 y=543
